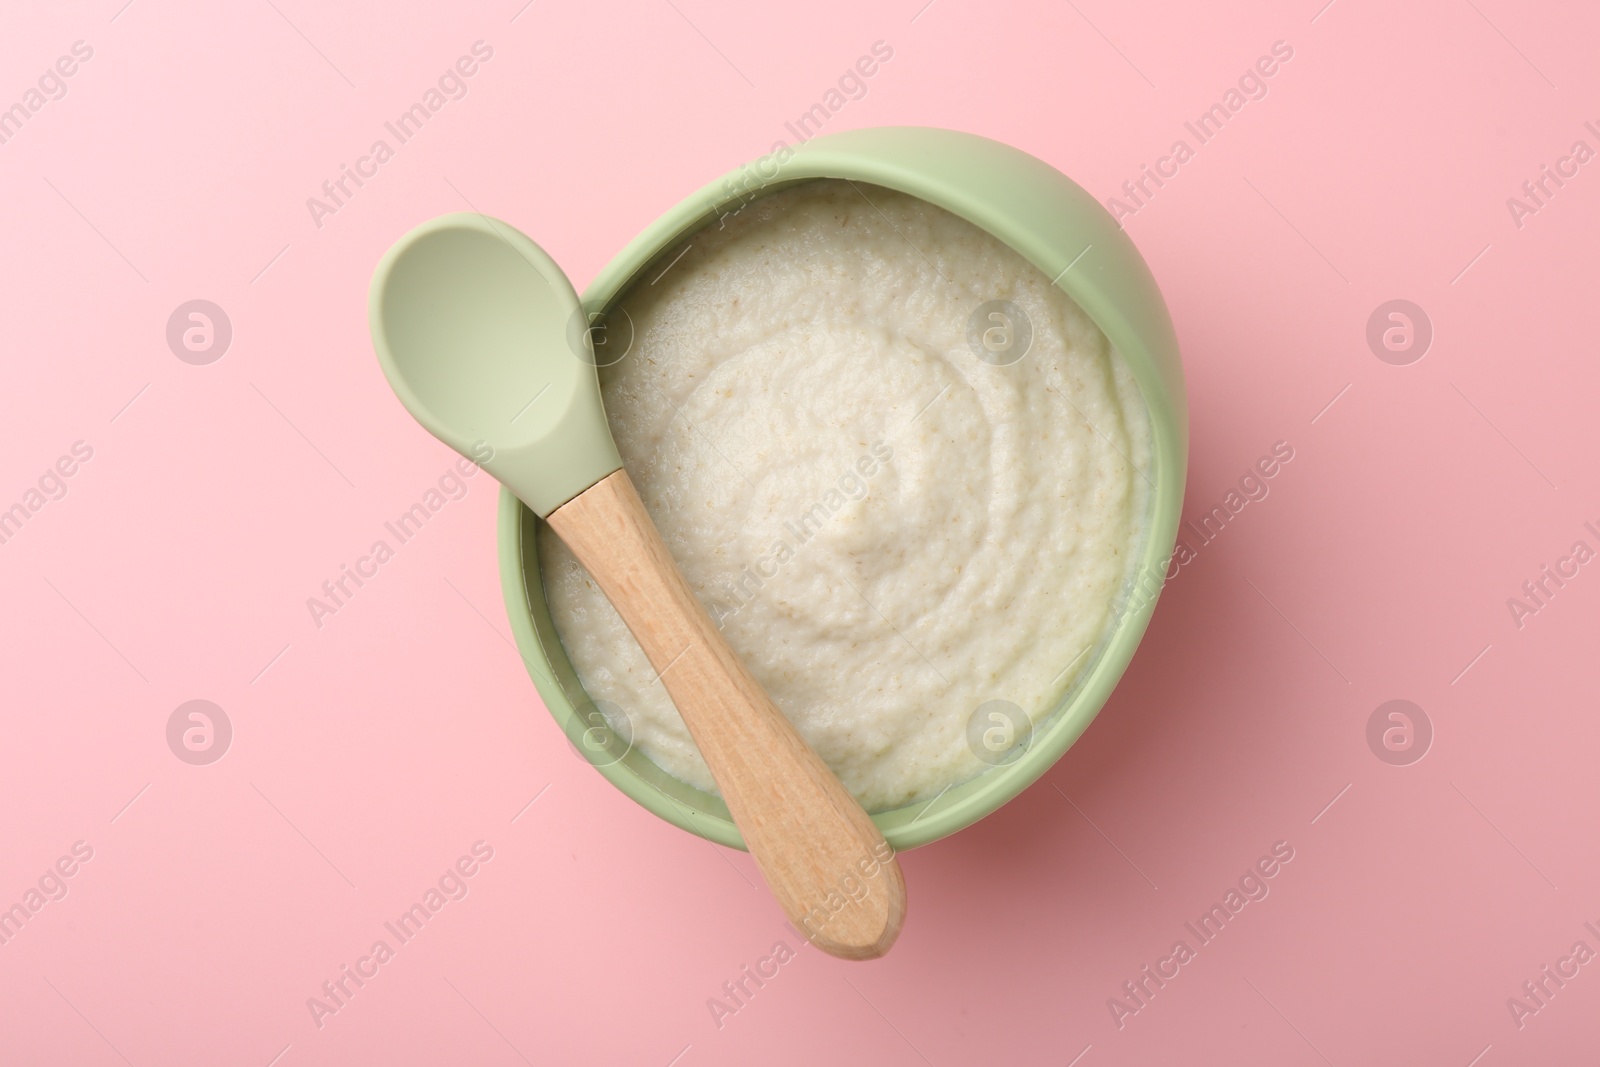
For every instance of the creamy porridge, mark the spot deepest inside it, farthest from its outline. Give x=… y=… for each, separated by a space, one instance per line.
x=894 y=520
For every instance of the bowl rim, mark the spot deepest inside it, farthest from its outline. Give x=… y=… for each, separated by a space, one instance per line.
x=983 y=181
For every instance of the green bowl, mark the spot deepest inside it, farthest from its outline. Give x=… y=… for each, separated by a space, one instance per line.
x=1063 y=231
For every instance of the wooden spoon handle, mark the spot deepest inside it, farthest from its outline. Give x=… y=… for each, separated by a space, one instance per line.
x=822 y=855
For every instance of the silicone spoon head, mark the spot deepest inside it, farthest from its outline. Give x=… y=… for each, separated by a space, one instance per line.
x=483 y=340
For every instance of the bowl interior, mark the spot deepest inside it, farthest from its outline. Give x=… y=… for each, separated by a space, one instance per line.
x=1062 y=230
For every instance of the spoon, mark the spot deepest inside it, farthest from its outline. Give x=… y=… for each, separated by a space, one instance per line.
x=482 y=338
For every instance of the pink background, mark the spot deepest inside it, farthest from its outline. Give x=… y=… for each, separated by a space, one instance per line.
x=370 y=754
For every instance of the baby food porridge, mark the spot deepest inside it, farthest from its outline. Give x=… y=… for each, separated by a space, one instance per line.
x=904 y=473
